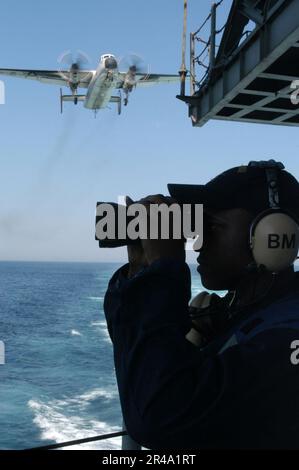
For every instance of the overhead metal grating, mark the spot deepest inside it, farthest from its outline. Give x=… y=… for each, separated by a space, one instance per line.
x=254 y=81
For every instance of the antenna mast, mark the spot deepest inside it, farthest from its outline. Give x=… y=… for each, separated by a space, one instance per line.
x=183 y=71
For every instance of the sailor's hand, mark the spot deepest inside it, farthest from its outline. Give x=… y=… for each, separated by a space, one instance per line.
x=150 y=250
x=155 y=249
x=202 y=330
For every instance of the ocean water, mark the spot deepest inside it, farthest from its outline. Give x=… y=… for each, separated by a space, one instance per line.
x=58 y=381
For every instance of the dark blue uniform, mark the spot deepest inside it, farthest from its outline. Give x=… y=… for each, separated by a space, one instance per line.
x=239 y=391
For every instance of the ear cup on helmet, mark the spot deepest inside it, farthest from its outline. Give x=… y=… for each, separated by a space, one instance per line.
x=274 y=240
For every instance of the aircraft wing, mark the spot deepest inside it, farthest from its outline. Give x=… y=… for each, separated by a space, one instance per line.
x=54 y=77
x=153 y=78
x=150 y=79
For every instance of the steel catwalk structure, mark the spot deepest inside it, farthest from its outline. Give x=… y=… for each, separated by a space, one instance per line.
x=255 y=80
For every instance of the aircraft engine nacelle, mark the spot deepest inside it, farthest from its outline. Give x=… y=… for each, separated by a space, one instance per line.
x=129 y=81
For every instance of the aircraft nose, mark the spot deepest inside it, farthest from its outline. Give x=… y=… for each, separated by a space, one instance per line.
x=110 y=63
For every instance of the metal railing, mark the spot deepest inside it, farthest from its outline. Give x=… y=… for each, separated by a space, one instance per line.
x=127 y=442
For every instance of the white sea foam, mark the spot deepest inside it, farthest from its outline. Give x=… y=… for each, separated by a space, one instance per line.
x=97 y=393
x=75 y=333
x=97 y=299
x=98 y=323
x=57 y=426
x=83 y=400
x=102 y=326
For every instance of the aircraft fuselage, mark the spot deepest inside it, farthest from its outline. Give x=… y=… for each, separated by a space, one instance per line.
x=102 y=84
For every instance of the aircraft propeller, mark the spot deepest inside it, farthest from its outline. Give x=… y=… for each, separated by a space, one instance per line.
x=132 y=64
x=75 y=63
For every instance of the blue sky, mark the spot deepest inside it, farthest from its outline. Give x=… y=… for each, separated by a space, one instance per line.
x=55 y=167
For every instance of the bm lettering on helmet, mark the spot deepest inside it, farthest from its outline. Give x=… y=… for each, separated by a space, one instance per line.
x=276 y=241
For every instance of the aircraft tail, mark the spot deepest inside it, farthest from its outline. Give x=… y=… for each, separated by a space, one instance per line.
x=116 y=99
x=73 y=98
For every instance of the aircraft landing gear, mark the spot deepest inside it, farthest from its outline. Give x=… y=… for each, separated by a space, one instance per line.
x=126 y=98
x=74 y=93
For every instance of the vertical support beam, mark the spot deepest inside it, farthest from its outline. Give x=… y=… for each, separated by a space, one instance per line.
x=192 y=64
x=183 y=71
x=213 y=37
x=127 y=443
